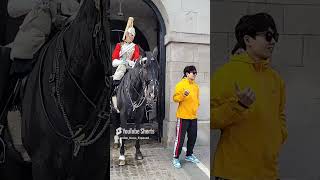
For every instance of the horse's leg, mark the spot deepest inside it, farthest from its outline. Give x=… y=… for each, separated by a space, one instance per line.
x=139 y=155
x=51 y=157
x=13 y=170
x=42 y=167
x=122 y=158
x=56 y=163
x=123 y=124
x=40 y=171
x=95 y=159
x=139 y=118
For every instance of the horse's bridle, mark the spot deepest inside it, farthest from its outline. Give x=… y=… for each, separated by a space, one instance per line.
x=156 y=82
x=141 y=96
x=98 y=37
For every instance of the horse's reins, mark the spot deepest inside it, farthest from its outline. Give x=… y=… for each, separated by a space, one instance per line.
x=141 y=98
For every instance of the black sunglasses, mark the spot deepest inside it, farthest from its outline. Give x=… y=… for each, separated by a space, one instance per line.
x=269 y=35
x=194 y=72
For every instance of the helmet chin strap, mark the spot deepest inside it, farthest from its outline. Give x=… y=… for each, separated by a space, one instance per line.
x=127 y=39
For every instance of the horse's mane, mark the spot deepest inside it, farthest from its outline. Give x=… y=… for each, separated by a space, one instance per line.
x=132 y=74
x=80 y=61
x=79 y=57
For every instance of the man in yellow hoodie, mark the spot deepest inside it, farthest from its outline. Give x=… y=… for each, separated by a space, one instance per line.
x=248 y=104
x=187 y=95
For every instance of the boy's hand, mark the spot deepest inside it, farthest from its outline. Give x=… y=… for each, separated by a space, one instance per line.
x=246 y=97
x=186 y=92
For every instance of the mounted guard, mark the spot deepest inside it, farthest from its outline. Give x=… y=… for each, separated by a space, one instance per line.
x=124 y=55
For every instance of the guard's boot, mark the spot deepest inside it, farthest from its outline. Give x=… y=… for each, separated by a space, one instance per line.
x=114 y=95
x=5 y=65
x=114 y=102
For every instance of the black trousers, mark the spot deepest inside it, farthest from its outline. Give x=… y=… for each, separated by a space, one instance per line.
x=189 y=126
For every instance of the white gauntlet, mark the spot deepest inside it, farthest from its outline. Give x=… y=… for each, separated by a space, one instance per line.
x=116 y=62
x=131 y=63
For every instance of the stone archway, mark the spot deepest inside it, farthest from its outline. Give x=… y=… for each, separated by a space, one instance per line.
x=151 y=25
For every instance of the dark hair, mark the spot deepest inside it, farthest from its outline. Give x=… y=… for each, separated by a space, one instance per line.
x=250 y=25
x=188 y=69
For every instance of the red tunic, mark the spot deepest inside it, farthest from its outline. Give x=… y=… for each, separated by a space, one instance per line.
x=116 y=52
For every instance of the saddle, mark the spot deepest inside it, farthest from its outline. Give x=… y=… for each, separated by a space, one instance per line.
x=116 y=83
x=20 y=69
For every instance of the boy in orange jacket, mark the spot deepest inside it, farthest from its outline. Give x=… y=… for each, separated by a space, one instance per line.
x=187 y=95
x=248 y=105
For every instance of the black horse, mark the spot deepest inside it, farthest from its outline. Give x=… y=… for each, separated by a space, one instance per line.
x=65 y=107
x=138 y=88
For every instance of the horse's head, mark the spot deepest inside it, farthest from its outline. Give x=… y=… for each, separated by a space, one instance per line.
x=150 y=75
x=86 y=54
x=87 y=38
x=101 y=34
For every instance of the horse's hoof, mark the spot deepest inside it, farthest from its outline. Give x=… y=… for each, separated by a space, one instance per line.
x=116 y=145
x=139 y=156
x=122 y=162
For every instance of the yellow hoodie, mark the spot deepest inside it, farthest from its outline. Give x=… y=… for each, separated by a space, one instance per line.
x=188 y=105
x=251 y=138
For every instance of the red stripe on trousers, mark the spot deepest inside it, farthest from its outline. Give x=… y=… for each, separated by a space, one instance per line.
x=179 y=135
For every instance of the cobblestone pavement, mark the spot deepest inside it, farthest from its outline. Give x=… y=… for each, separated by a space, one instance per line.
x=156 y=164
